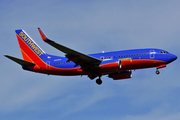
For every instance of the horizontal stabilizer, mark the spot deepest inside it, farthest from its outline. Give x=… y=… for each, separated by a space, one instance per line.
x=20 y=61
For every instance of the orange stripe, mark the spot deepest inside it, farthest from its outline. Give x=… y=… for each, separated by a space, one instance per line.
x=29 y=59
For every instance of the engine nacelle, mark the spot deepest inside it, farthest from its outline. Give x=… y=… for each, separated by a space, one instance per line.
x=109 y=66
x=121 y=75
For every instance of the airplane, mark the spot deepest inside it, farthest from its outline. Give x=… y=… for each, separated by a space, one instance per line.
x=117 y=65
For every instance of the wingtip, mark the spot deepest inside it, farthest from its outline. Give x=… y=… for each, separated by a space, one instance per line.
x=43 y=36
x=6 y=55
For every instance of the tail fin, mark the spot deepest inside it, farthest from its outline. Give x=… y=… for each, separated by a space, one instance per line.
x=30 y=50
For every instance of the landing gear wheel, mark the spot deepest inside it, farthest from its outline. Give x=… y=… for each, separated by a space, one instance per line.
x=157 y=72
x=99 y=81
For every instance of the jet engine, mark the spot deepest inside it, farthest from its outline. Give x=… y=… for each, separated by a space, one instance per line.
x=121 y=75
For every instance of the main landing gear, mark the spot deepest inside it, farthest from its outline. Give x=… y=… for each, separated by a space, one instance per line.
x=92 y=76
x=99 y=81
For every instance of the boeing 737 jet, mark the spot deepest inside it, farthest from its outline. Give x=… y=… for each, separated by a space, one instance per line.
x=117 y=65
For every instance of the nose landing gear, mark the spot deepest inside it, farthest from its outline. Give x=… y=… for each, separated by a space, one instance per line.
x=158 y=67
x=157 y=72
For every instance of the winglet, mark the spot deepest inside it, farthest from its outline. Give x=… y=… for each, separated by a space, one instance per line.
x=43 y=36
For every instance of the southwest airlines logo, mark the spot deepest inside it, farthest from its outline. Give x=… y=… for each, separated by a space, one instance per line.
x=30 y=43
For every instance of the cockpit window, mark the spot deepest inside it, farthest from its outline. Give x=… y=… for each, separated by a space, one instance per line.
x=164 y=52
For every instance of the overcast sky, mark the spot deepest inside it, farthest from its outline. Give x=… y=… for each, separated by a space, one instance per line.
x=90 y=26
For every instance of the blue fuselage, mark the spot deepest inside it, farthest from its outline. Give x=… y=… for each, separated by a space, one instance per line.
x=106 y=57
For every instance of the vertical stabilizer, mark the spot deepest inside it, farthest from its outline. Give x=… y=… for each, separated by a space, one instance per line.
x=30 y=50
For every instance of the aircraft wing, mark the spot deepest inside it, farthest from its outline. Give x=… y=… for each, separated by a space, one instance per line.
x=85 y=61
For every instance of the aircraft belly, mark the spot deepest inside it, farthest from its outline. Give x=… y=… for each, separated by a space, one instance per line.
x=104 y=69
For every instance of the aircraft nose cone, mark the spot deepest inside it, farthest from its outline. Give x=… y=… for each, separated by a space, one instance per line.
x=175 y=57
x=172 y=57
